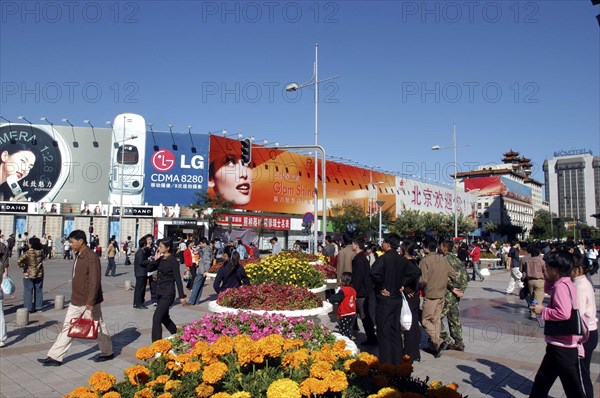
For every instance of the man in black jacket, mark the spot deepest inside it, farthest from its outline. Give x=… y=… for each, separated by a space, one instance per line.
x=390 y=274
x=361 y=282
x=140 y=263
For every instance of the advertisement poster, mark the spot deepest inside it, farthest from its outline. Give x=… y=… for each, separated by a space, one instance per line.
x=173 y=177
x=283 y=182
x=40 y=163
x=417 y=195
x=490 y=186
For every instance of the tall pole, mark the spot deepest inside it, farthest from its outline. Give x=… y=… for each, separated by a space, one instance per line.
x=316 y=232
x=122 y=185
x=379 y=224
x=455 y=181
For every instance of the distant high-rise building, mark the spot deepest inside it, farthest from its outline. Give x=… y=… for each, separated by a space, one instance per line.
x=573 y=185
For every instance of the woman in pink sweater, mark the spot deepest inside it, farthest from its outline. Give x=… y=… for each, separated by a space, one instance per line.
x=562 y=352
x=587 y=308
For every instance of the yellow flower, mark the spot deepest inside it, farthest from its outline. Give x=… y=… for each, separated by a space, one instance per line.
x=214 y=372
x=290 y=344
x=172 y=385
x=137 y=374
x=368 y=358
x=221 y=395
x=320 y=369
x=336 y=381
x=112 y=394
x=241 y=394
x=191 y=367
x=162 y=346
x=453 y=386
x=162 y=379
x=223 y=346
x=102 y=381
x=171 y=365
x=165 y=395
x=145 y=353
x=284 y=388
x=151 y=383
x=199 y=348
x=82 y=392
x=435 y=385
x=145 y=393
x=271 y=345
x=388 y=392
x=204 y=391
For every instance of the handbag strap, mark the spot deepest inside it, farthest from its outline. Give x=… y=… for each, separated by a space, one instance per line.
x=571 y=296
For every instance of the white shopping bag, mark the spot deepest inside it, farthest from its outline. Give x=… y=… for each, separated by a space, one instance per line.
x=405 y=315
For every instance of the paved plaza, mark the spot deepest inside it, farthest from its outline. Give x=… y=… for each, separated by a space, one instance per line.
x=503 y=347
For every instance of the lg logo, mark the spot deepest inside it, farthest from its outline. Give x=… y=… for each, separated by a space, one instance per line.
x=164 y=160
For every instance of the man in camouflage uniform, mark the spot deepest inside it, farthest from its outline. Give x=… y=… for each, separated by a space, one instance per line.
x=454 y=292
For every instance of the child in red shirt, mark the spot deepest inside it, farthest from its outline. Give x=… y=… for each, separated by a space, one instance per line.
x=346 y=297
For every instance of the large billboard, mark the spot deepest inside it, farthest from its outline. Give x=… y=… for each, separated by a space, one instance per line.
x=49 y=163
x=498 y=185
x=280 y=181
x=417 y=195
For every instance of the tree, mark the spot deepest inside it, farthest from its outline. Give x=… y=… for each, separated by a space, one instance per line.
x=409 y=223
x=490 y=227
x=542 y=227
x=209 y=206
x=349 y=217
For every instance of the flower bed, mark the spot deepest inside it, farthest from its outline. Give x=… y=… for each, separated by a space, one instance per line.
x=211 y=327
x=324 y=309
x=285 y=268
x=215 y=267
x=327 y=270
x=272 y=367
x=269 y=297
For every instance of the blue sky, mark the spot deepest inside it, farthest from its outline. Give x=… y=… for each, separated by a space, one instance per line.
x=520 y=75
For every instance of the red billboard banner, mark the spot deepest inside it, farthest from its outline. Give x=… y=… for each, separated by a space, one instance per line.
x=484 y=186
x=279 y=181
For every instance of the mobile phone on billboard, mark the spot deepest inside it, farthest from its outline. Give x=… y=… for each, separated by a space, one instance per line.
x=13 y=184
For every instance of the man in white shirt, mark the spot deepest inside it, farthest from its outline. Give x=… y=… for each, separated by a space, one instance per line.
x=275 y=246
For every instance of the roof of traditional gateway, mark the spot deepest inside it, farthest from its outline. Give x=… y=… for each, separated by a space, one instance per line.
x=511 y=154
x=493 y=172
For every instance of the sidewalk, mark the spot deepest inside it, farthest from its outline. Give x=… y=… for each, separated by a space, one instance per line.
x=503 y=347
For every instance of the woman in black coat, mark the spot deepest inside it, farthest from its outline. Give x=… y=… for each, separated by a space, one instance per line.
x=168 y=277
x=231 y=274
x=412 y=337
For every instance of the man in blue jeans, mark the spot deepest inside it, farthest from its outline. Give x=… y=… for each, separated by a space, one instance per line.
x=203 y=267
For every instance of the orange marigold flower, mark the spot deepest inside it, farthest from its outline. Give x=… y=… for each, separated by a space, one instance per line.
x=172 y=385
x=151 y=383
x=271 y=345
x=290 y=344
x=165 y=395
x=284 y=388
x=102 y=381
x=145 y=393
x=162 y=346
x=453 y=386
x=349 y=363
x=82 y=392
x=204 y=391
x=337 y=381
x=223 y=346
x=137 y=374
x=361 y=368
x=241 y=340
x=407 y=358
x=162 y=379
x=295 y=359
x=191 y=367
x=214 y=372
x=320 y=369
x=339 y=345
x=183 y=358
x=435 y=384
x=368 y=358
x=171 y=365
x=112 y=394
x=312 y=386
x=221 y=395
x=145 y=353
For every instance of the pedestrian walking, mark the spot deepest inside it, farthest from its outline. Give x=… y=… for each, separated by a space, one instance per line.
x=50 y=247
x=434 y=281
x=412 y=337
x=476 y=260
x=111 y=252
x=365 y=297
x=168 y=277
x=344 y=257
x=231 y=274
x=390 y=275
x=533 y=269
x=32 y=263
x=86 y=298
x=515 y=268
x=190 y=265
x=455 y=290
x=140 y=265
x=204 y=263
x=562 y=357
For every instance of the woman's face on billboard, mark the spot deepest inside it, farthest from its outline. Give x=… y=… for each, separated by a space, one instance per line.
x=232 y=180
x=18 y=164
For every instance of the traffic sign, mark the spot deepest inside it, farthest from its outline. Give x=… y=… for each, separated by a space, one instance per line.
x=308 y=217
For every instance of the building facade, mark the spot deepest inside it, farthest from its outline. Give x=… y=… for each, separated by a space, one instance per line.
x=572 y=180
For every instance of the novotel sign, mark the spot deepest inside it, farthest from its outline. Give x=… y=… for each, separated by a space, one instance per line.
x=572 y=152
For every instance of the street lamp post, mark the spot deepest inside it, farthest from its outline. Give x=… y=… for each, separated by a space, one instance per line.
x=294 y=87
x=380 y=204
x=437 y=148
